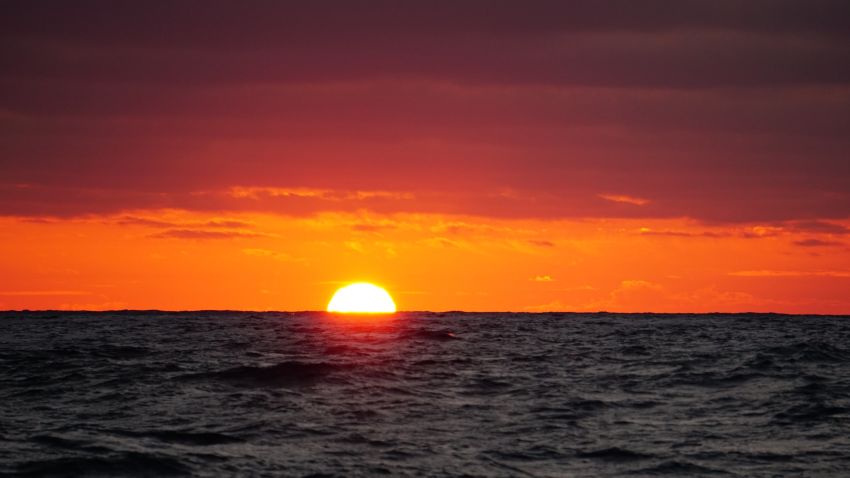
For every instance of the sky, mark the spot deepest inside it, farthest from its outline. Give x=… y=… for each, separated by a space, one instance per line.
x=686 y=156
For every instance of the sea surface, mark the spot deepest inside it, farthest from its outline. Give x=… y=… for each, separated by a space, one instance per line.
x=423 y=394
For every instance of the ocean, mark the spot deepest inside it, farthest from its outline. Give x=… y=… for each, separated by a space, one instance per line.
x=423 y=394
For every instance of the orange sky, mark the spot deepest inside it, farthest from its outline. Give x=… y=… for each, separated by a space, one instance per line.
x=167 y=259
x=475 y=154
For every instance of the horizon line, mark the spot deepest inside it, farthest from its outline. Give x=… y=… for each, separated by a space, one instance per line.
x=452 y=311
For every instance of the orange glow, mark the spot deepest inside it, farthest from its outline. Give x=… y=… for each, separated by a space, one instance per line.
x=565 y=157
x=361 y=298
x=180 y=260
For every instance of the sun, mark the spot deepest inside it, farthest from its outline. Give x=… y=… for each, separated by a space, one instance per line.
x=361 y=298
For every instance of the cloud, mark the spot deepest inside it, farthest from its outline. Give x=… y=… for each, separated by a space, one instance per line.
x=25 y=293
x=143 y=221
x=355 y=246
x=226 y=224
x=645 y=231
x=159 y=223
x=790 y=273
x=713 y=110
x=820 y=227
x=553 y=306
x=764 y=231
x=369 y=227
x=631 y=285
x=611 y=44
x=200 y=234
x=543 y=278
x=642 y=295
x=817 y=243
x=621 y=198
x=323 y=194
x=444 y=242
x=278 y=256
x=107 y=305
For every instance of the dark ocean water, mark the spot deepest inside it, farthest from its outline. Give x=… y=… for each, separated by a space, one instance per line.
x=420 y=394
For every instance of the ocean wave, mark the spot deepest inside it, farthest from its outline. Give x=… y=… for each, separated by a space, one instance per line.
x=679 y=468
x=255 y=394
x=614 y=454
x=290 y=373
x=487 y=386
x=183 y=437
x=68 y=443
x=438 y=335
x=814 y=352
x=809 y=412
x=121 y=464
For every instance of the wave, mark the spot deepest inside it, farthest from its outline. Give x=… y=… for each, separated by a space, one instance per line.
x=809 y=412
x=487 y=386
x=439 y=335
x=60 y=442
x=478 y=394
x=714 y=379
x=290 y=373
x=571 y=410
x=679 y=468
x=120 y=352
x=813 y=351
x=123 y=464
x=614 y=454
x=184 y=437
x=60 y=355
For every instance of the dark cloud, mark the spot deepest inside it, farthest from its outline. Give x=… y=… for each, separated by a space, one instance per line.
x=683 y=234
x=156 y=223
x=683 y=44
x=261 y=22
x=817 y=243
x=141 y=221
x=678 y=56
x=723 y=111
x=819 y=227
x=227 y=224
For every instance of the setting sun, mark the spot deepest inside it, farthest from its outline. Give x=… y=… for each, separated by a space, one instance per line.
x=361 y=298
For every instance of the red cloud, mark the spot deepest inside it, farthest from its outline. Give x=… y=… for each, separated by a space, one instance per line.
x=713 y=110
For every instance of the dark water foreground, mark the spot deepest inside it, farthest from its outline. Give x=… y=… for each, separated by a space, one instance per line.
x=212 y=394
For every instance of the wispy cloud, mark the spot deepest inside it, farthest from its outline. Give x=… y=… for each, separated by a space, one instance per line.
x=817 y=243
x=789 y=273
x=26 y=293
x=244 y=192
x=373 y=227
x=355 y=246
x=622 y=198
x=820 y=227
x=278 y=256
x=645 y=231
x=226 y=224
x=144 y=222
x=159 y=223
x=202 y=234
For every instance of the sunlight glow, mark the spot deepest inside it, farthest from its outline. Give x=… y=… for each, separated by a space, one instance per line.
x=361 y=298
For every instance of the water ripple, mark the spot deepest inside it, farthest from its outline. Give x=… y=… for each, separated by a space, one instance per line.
x=423 y=394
